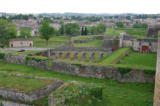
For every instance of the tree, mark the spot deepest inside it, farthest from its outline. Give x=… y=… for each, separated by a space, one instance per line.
x=101 y=28
x=82 y=31
x=7 y=32
x=25 y=32
x=119 y=24
x=86 y=31
x=72 y=29
x=46 y=31
x=61 y=30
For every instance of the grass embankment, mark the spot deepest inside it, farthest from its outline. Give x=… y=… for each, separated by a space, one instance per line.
x=114 y=93
x=90 y=43
x=52 y=43
x=83 y=37
x=138 y=32
x=140 y=59
x=22 y=84
x=115 y=56
x=21 y=53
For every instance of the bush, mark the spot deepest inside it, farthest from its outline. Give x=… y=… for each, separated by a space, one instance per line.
x=2 y=55
x=37 y=58
x=124 y=70
x=96 y=92
x=149 y=72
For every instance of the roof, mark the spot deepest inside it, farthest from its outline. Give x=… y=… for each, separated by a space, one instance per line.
x=21 y=39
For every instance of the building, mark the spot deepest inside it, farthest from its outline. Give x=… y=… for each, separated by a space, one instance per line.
x=144 y=45
x=21 y=42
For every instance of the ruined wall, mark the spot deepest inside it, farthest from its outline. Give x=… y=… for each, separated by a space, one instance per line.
x=157 y=78
x=15 y=58
x=31 y=96
x=102 y=72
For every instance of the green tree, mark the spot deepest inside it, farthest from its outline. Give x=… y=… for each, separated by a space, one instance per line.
x=61 y=30
x=72 y=29
x=25 y=32
x=120 y=24
x=46 y=31
x=7 y=32
x=101 y=28
x=86 y=31
x=82 y=31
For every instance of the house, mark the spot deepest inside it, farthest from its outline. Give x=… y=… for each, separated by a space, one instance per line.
x=21 y=42
x=144 y=45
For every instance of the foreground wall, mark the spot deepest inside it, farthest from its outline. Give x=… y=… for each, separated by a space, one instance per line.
x=132 y=75
x=95 y=71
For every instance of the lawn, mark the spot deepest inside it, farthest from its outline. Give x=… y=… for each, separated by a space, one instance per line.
x=140 y=59
x=21 y=53
x=52 y=43
x=114 y=93
x=138 y=32
x=83 y=37
x=91 y=43
x=115 y=56
x=22 y=84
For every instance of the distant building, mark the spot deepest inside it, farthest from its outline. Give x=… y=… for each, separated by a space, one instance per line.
x=21 y=42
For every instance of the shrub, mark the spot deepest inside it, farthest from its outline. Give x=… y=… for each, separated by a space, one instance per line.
x=96 y=92
x=149 y=72
x=2 y=55
x=37 y=58
x=124 y=70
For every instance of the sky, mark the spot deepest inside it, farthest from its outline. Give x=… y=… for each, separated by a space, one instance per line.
x=80 y=6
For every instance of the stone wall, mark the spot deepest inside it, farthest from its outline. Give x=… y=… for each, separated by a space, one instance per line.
x=34 y=95
x=39 y=64
x=17 y=59
x=102 y=72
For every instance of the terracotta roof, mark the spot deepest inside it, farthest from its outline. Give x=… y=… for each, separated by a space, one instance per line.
x=21 y=39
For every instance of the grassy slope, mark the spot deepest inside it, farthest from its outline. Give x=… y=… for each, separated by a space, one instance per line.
x=53 y=42
x=138 y=32
x=114 y=93
x=140 y=59
x=21 y=53
x=91 y=43
x=114 y=56
x=17 y=83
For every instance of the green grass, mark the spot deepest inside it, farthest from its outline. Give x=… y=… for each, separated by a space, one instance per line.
x=115 y=56
x=52 y=43
x=140 y=59
x=22 y=83
x=21 y=53
x=91 y=43
x=83 y=37
x=114 y=93
x=138 y=32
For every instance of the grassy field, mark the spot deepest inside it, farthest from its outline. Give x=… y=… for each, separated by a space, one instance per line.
x=21 y=53
x=138 y=32
x=140 y=59
x=91 y=43
x=115 y=56
x=83 y=37
x=52 y=43
x=114 y=93
x=21 y=83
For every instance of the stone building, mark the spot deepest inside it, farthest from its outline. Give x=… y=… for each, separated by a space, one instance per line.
x=21 y=42
x=142 y=45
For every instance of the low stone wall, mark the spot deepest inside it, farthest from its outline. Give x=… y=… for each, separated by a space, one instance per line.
x=102 y=72
x=17 y=59
x=39 y=64
x=29 y=97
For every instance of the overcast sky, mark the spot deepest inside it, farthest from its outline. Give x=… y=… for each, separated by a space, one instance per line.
x=80 y=6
